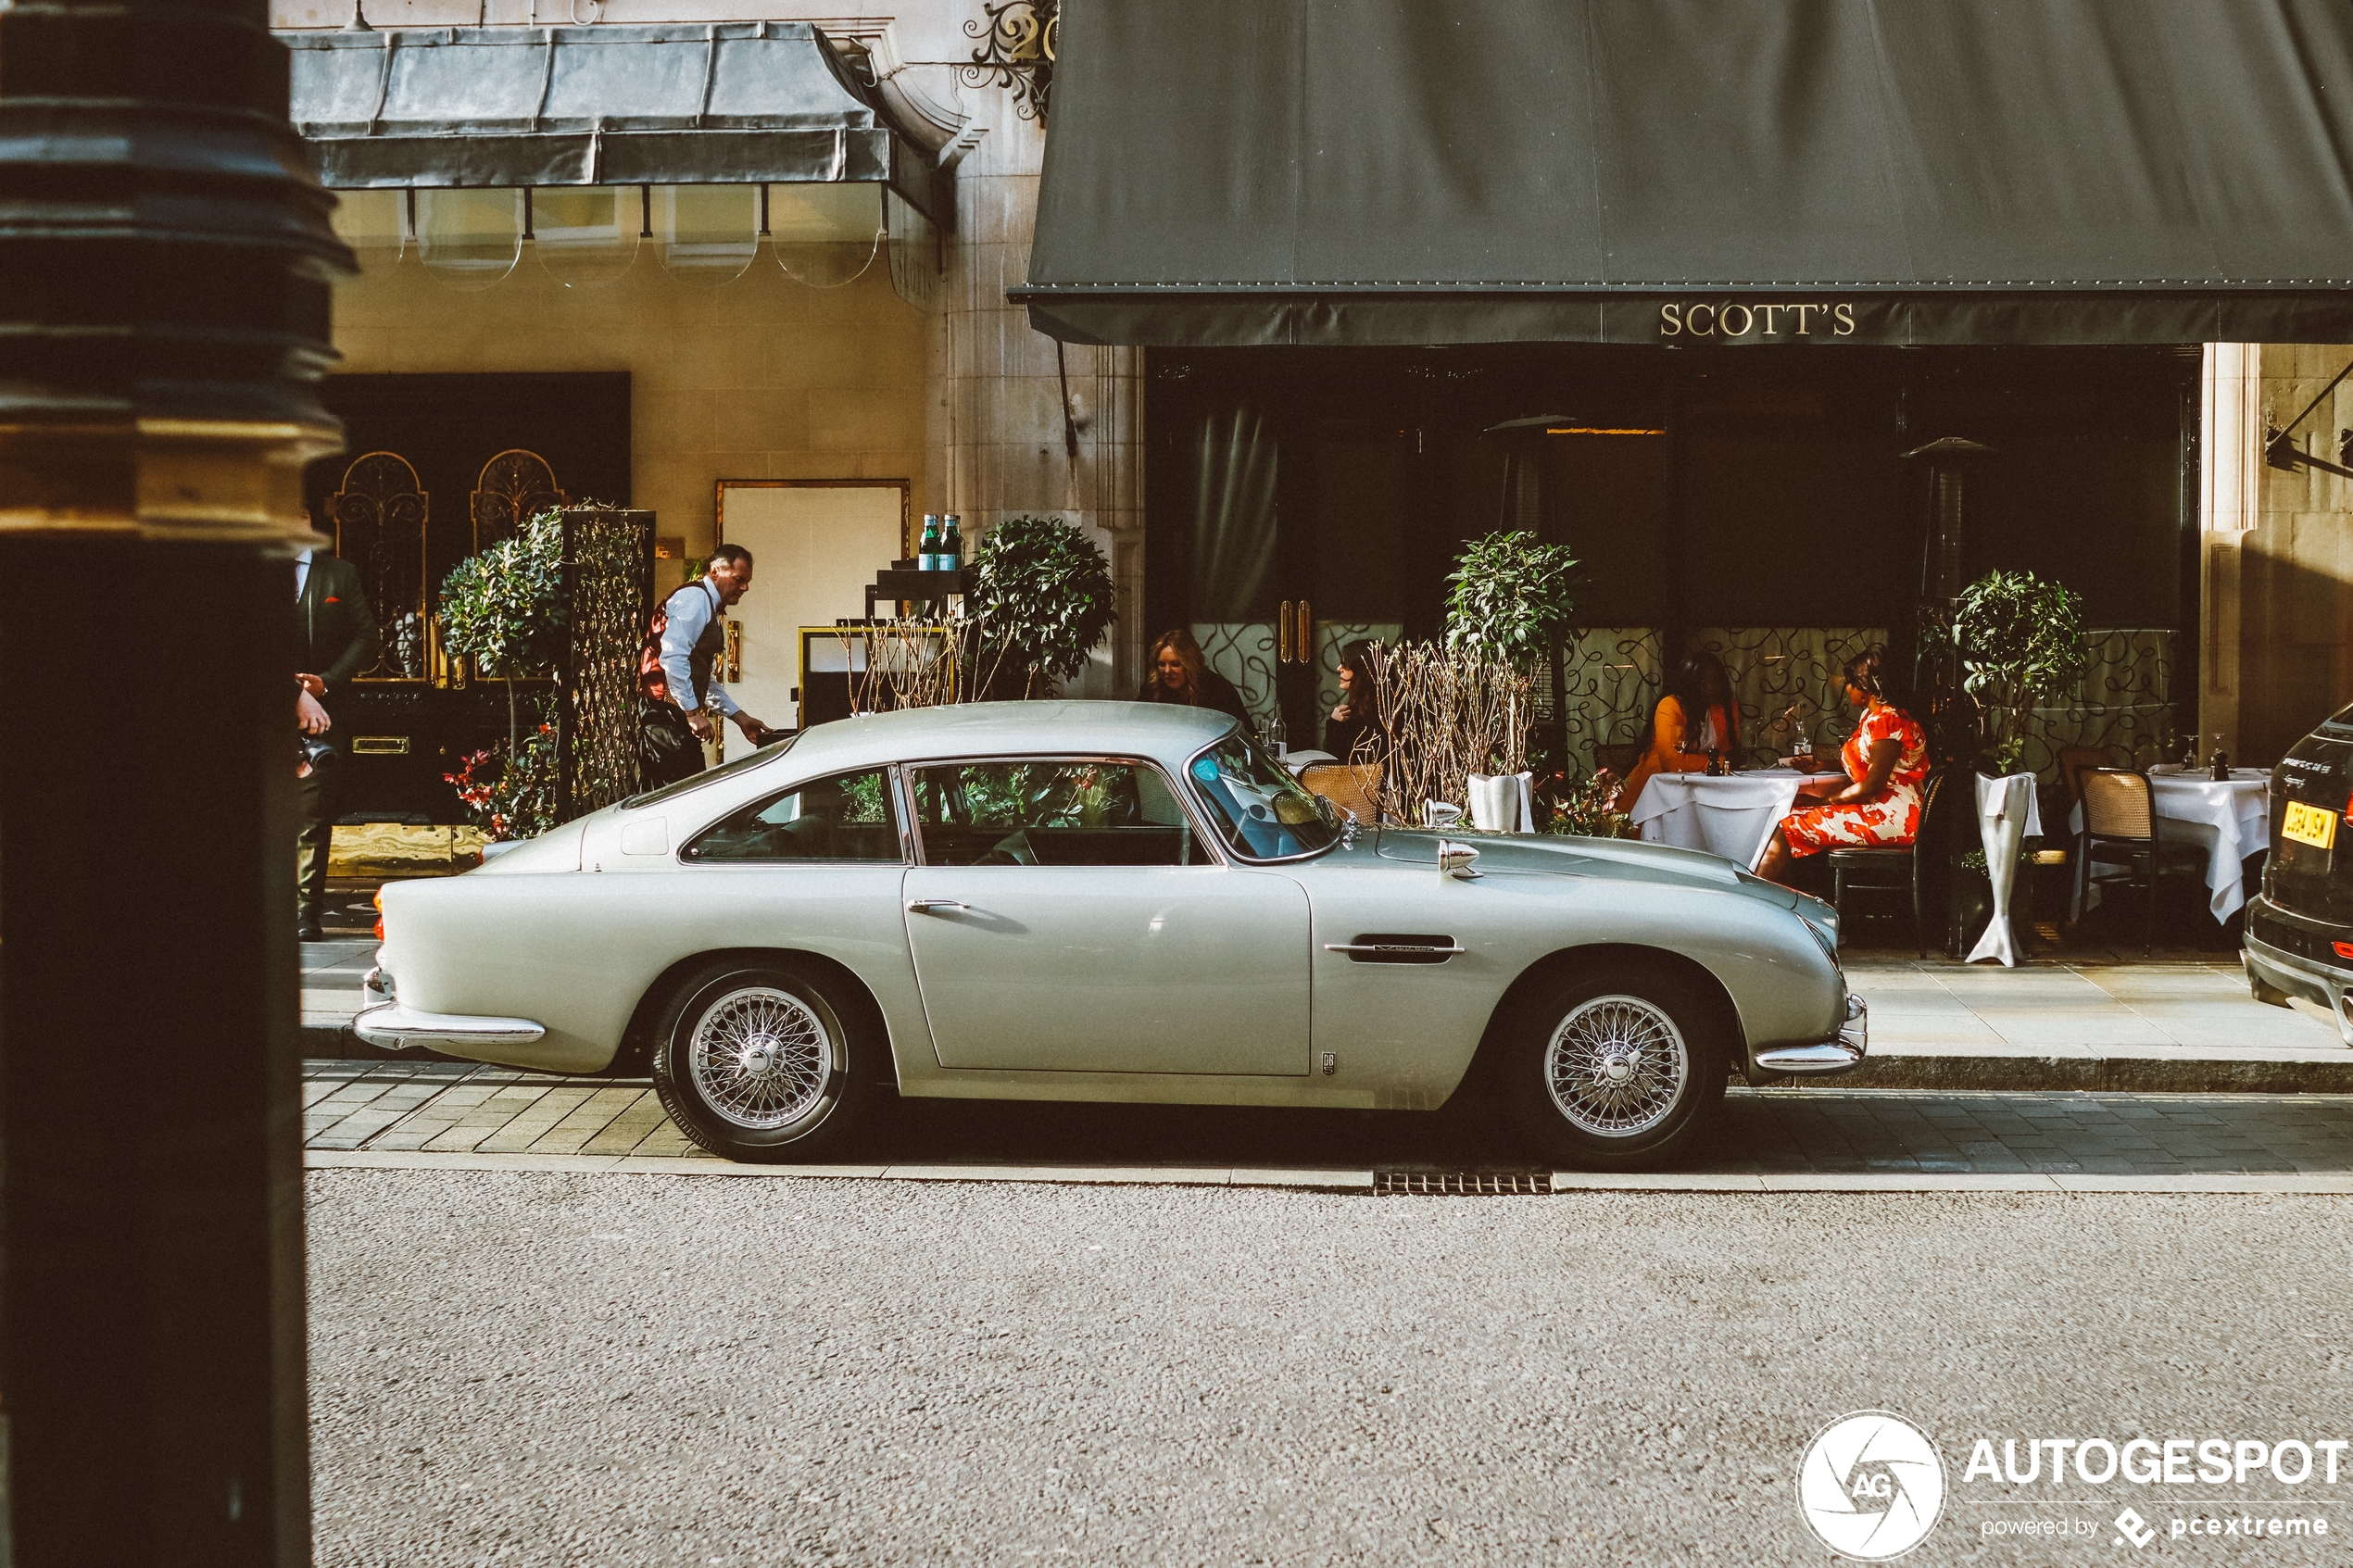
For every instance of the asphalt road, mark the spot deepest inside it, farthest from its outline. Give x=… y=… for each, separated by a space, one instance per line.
x=543 y=1368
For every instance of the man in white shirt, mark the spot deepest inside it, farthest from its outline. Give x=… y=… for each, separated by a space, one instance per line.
x=692 y=640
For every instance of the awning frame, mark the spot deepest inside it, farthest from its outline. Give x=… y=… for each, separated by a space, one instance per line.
x=737 y=103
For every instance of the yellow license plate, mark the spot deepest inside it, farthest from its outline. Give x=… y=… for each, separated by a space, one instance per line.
x=2308 y=825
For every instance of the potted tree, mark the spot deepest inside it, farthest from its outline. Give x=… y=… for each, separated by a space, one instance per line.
x=1040 y=600
x=2021 y=643
x=1511 y=597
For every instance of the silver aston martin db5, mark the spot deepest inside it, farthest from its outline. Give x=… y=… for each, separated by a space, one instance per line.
x=1104 y=901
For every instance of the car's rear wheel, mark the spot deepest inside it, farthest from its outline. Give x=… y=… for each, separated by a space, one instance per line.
x=762 y=1061
x=1619 y=1068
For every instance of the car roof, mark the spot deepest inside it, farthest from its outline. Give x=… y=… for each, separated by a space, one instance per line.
x=1171 y=732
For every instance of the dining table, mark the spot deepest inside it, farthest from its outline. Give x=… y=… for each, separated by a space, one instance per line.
x=1728 y=814
x=2229 y=819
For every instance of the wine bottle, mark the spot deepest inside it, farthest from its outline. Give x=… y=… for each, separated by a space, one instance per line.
x=927 y=553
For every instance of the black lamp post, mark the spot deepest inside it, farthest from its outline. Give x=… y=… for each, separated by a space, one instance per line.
x=165 y=259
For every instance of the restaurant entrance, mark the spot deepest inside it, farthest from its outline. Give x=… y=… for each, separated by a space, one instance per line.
x=1758 y=505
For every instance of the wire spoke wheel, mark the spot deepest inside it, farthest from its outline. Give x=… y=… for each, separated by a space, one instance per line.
x=1616 y=1066
x=761 y=1059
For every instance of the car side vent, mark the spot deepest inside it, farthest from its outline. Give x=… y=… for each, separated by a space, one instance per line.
x=1460 y=1184
x=1396 y=947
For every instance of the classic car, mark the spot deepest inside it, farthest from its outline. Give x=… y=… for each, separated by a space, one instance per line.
x=1104 y=901
x=2300 y=931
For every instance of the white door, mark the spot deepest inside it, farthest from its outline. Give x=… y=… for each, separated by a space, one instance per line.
x=814 y=547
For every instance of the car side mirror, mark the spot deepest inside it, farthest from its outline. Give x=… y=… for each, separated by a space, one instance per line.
x=1455 y=859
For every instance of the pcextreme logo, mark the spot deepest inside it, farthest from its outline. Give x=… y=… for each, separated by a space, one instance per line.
x=1870 y=1485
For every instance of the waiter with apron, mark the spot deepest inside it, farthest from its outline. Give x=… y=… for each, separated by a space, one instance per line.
x=674 y=673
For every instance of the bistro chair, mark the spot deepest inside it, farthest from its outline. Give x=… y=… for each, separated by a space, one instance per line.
x=2120 y=828
x=2072 y=762
x=1900 y=869
x=1618 y=759
x=1352 y=786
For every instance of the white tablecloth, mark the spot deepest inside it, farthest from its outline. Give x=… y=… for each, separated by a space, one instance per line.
x=2007 y=815
x=1731 y=816
x=2230 y=821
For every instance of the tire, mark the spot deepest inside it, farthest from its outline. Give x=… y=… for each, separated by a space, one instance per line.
x=764 y=1061
x=2271 y=996
x=1618 y=1069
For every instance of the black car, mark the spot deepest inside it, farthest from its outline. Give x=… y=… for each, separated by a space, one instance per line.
x=2299 y=932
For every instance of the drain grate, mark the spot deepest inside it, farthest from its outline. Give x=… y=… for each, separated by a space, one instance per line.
x=1460 y=1184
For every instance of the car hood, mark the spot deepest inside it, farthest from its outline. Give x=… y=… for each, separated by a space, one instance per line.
x=1618 y=858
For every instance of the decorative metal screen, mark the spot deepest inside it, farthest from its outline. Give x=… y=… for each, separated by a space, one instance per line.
x=1790 y=682
x=378 y=518
x=1609 y=679
x=513 y=487
x=2125 y=703
x=608 y=589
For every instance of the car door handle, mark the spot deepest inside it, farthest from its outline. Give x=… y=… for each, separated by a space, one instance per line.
x=933 y=906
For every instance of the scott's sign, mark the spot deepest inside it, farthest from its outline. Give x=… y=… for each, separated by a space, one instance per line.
x=1707 y=320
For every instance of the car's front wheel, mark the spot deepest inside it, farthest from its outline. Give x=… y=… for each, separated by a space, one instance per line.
x=1618 y=1069
x=760 y=1062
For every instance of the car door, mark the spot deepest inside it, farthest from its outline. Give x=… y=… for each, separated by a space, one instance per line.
x=1066 y=917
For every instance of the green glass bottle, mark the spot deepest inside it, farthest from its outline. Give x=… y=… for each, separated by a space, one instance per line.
x=951 y=544
x=927 y=553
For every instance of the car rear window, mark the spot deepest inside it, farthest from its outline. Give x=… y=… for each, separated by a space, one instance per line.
x=712 y=775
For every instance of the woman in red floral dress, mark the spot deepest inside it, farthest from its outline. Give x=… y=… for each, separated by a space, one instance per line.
x=1886 y=760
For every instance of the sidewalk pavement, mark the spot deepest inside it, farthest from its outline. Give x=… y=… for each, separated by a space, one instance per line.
x=2182 y=1024
x=404 y=1113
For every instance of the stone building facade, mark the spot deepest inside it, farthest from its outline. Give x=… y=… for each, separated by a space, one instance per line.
x=768 y=377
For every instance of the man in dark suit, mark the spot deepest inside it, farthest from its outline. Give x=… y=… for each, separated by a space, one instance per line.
x=334 y=639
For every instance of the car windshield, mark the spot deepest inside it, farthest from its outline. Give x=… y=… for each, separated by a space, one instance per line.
x=1263 y=811
x=712 y=775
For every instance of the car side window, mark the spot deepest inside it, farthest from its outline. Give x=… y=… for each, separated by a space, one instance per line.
x=1051 y=813
x=846 y=818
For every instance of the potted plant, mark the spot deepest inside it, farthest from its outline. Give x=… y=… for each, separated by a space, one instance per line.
x=2020 y=641
x=1512 y=595
x=1040 y=596
x=503 y=608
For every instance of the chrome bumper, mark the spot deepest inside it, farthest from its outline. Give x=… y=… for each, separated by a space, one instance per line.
x=392 y=1027
x=1841 y=1052
x=2317 y=982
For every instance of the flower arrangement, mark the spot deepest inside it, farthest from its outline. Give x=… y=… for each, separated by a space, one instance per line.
x=1589 y=809
x=510 y=796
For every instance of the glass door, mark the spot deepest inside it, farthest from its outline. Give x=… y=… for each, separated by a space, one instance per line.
x=1288 y=545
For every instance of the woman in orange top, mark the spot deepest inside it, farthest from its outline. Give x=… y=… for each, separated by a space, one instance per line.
x=1693 y=718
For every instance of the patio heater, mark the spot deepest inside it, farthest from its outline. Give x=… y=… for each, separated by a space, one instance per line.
x=1936 y=671
x=1526 y=506
x=165 y=261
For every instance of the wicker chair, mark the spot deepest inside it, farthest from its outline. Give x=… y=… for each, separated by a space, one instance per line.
x=1901 y=868
x=2072 y=762
x=2120 y=828
x=1354 y=787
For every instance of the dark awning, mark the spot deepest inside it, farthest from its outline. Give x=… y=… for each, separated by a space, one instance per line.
x=1359 y=171
x=715 y=104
